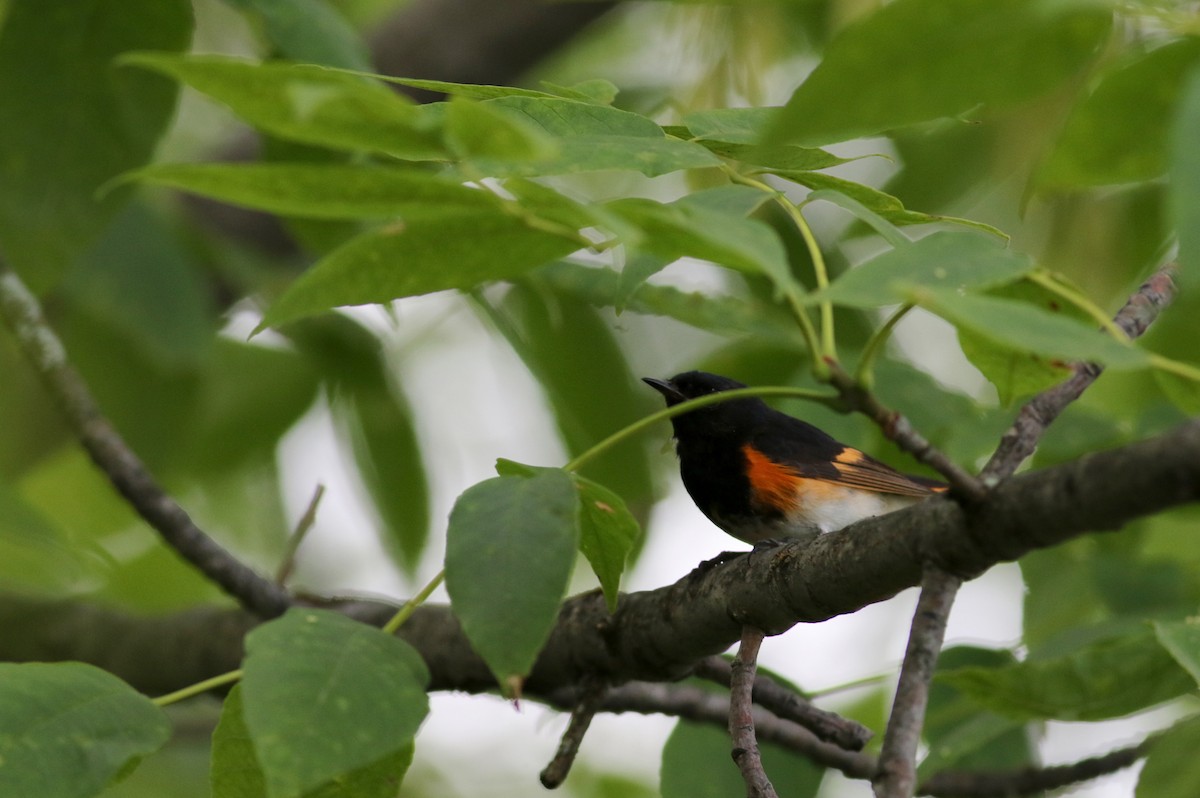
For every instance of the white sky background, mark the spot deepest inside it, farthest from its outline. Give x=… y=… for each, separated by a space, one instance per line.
x=476 y=402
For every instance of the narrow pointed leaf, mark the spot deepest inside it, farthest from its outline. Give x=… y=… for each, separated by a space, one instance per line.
x=306 y=103
x=491 y=131
x=608 y=532
x=915 y=60
x=310 y=31
x=437 y=252
x=1182 y=640
x=510 y=548
x=319 y=191
x=880 y=202
x=1026 y=328
x=957 y=261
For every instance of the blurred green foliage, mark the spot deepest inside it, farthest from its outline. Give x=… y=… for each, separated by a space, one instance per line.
x=1029 y=162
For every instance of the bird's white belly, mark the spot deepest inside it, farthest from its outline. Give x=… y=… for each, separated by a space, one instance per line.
x=838 y=507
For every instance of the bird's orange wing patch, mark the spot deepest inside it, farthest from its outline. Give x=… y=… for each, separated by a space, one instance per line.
x=772 y=484
x=858 y=470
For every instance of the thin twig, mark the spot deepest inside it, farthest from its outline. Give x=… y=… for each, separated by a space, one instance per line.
x=741 y=717
x=1033 y=780
x=581 y=717
x=45 y=352
x=702 y=706
x=288 y=562
x=787 y=704
x=897 y=774
x=897 y=428
x=1022 y=438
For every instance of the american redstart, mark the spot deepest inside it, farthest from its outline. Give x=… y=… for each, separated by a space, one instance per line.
x=761 y=475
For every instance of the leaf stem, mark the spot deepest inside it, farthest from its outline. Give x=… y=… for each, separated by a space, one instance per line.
x=198 y=688
x=692 y=404
x=1079 y=300
x=864 y=375
x=824 y=346
x=410 y=606
x=1185 y=370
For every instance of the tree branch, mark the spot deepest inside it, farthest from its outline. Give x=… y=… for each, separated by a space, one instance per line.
x=898 y=429
x=1020 y=440
x=585 y=709
x=741 y=718
x=897 y=768
x=897 y=773
x=45 y=352
x=659 y=635
x=787 y=704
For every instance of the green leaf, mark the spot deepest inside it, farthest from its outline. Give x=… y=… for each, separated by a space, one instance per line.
x=36 y=554
x=320 y=191
x=775 y=158
x=386 y=449
x=309 y=104
x=71 y=123
x=876 y=201
x=325 y=696
x=140 y=280
x=607 y=534
x=961 y=736
x=596 y=90
x=593 y=137
x=637 y=269
x=732 y=125
x=733 y=199
x=1182 y=640
x=915 y=60
x=1172 y=769
x=311 y=31
x=955 y=261
x=1015 y=373
x=1103 y=142
x=696 y=764
x=1185 y=183
x=388 y=455
x=571 y=119
x=471 y=91
x=1026 y=328
x=1107 y=679
x=250 y=397
x=687 y=228
x=68 y=729
x=510 y=548
x=571 y=349
x=488 y=130
x=434 y=252
x=725 y=315
x=235 y=771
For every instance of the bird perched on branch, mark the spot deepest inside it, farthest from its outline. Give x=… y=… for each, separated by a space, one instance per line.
x=762 y=475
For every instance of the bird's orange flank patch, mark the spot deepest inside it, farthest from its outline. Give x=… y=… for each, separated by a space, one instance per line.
x=771 y=484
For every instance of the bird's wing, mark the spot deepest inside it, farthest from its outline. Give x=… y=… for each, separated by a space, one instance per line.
x=859 y=470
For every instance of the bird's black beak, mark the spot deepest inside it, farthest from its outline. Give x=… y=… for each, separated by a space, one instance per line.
x=667 y=389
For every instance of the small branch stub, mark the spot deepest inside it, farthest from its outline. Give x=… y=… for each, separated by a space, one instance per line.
x=741 y=717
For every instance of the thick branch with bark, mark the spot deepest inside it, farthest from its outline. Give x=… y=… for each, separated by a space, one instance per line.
x=660 y=634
